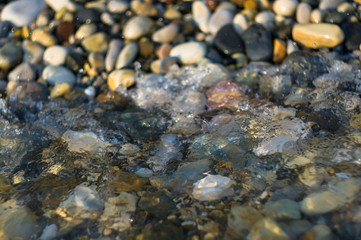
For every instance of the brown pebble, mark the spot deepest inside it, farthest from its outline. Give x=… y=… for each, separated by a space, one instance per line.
x=113 y=97
x=164 y=50
x=146 y=48
x=212 y=4
x=279 y=50
x=64 y=30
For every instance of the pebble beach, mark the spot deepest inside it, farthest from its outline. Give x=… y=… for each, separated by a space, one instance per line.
x=205 y=119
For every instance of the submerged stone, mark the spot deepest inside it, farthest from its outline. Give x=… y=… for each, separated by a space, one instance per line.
x=212 y=187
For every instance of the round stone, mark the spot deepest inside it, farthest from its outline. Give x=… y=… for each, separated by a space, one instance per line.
x=163 y=65
x=189 y=52
x=23 y=12
x=43 y=37
x=33 y=51
x=55 y=55
x=137 y=26
x=201 y=14
x=316 y=16
x=23 y=71
x=164 y=50
x=58 y=74
x=113 y=51
x=123 y=77
x=318 y=35
x=85 y=30
x=10 y=55
x=59 y=4
x=98 y=42
x=127 y=55
x=27 y=94
x=258 y=43
x=166 y=34
x=322 y=202
x=228 y=41
x=285 y=7
x=303 y=13
x=117 y=6
x=219 y=19
x=240 y=23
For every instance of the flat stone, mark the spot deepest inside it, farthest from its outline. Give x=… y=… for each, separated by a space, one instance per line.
x=303 y=13
x=43 y=37
x=166 y=34
x=137 y=27
x=266 y=228
x=285 y=7
x=258 y=43
x=55 y=55
x=97 y=42
x=123 y=77
x=117 y=6
x=318 y=35
x=240 y=23
x=58 y=74
x=212 y=187
x=218 y=19
x=189 y=52
x=329 y=4
x=23 y=12
x=10 y=55
x=352 y=32
x=33 y=51
x=201 y=15
x=322 y=202
x=23 y=71
x=283 y=209
x=162 y=65
x=127 y=55
x=228 y=41
x=85 y=30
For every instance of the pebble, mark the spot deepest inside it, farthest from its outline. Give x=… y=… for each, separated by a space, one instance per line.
x=10 y=55
x=5 y=28
x=240 y=221
x=346 y=7
x=49 y=232
x=97 y=42
x=59 y=4
x=85 y=30
x=33 y=51
x=285 y=8
x=189 y=52
x=58 y=74
x=218 y=19
x=322 y=202
x=146 y=9
x=352 y=32
x=172 y=14
x=266 y=228
x=43 y=37
x=87 y=15
x=127 y=55
x=283 y=209
x=228 y=41
x=240 y=23
x=107 y=19
x=115 y=46
x=162 y=65
x=122 y=77
x=60 y=90
x=81 y=142
x=267 y=19
x=318 y=35
x=279 y=50
x=303 y=13
x=166 y=34
x=55 y=55
x=164 y=50
x=291 y=47
x=319 y=232
x=137 y=27
x=212 y=187
x=146 y=48
x=27 y=94
x=258 y=43
x=117 y=6
x=23 y=12
x=201 y=15
x=316 y=16
x=64 y=31
x=281 y=84
x=329 y=4
x=23 y=71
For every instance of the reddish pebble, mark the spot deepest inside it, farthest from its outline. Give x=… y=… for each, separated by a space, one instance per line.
x=164 y=50
x=64 y=30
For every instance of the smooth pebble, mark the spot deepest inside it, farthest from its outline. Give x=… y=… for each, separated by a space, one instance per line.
x=137 y=27
x=10 y=55
x=85 y=30
x=117 y=6
x=127 y=55
x=189 y=52
x=285 y=8
x=218 y=19
x=115 y=46
x=23 y=71
x=33 y=51
x=240 y=23
x=166 y=34
x=98 y=42
x=55 y=55
x=329 y=4
x=303 y=13
x=123 y=77
x=23 y=12
x=58 y=74
x=201 y=15
x=162 y=65
x=43 y=37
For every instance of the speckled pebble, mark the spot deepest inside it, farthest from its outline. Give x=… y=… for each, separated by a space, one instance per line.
x=55 y=55
x=123 y=77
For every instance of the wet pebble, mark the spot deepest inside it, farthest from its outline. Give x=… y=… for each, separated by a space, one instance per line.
x=218 y=19
x=201 y=15
x=85 y=30
x=267 y=19
x=329 y=4
x=87 y=15
x=285 y=7
x=127 y=55
x=33 y=52
x=137 y=27
x=212 y=187
x=58 y=5
x=97 y=42
x=124 y=78
x=23 y=71
x=117 y=6
x=163 y=65
x=352 y=32
x=318 y=35
x=189 y=52
x=58 y=74
x=240 y=23
x=166 y=34
x=240 y=221
x=44 y=37
x=266 y=228
x=283 y=209
x=279 y=50
x=303 y=13
x=228 y=41
x=81 y=142
x=60 y=90
x=23 y=12
x=64 y=30
x=10 y=55
x=258 y=43
x=115 y=46
x=55 y=55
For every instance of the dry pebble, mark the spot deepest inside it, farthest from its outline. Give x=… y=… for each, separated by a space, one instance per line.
x=137 y=27
x=115 y=46
x=44 y=37
x=55 y=55
x=23 y=12
x=190 y=52
x=58 y=74
x=97 y=42
x=166 y=34
x=201 y=15
x=285 y=8
x=127 y=55
x=303 y=13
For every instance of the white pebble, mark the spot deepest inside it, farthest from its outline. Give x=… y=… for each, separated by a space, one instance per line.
x=201 y=14
x=219 y=19
x=285 y=7
x=189 y=52
x=240 y=23
x=23 y=12
x=55 y=55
